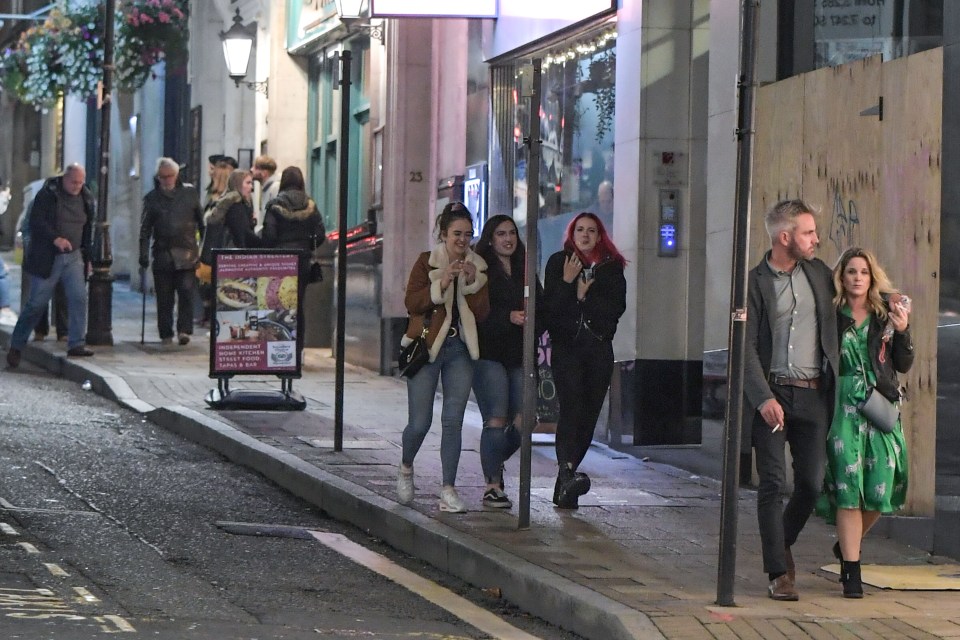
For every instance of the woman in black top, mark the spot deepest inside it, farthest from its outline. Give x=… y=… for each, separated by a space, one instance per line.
x=292 y=220
x=584 y=295
x=498 y=374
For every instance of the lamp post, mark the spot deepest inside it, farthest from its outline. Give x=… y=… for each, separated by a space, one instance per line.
x=100 y=301
x=343 y=152
x=727 y=561
x=237 y=45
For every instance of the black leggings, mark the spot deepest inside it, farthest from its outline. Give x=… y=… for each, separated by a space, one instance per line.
x=581 y=373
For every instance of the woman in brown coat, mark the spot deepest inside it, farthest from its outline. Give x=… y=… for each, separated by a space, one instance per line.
x=448 y=290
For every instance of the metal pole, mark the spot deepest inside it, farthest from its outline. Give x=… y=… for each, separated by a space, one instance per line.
x=530 y=390
x=727 y=564
x=344 y=164
x=100 y=305
x=143 y=303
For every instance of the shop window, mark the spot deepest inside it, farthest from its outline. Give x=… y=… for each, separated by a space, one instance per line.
x=828 y=33
x=578 y=92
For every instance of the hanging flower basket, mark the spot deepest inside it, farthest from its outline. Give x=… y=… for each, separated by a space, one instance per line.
x=62 y=55
x=149 y=31
x=80 y=49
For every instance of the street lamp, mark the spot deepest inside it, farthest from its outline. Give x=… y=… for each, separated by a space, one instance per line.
x=237 y=45
x=350 y=11
x=100 y=293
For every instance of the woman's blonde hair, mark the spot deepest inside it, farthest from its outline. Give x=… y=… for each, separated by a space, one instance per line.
x=879 y=282
x=219 y=179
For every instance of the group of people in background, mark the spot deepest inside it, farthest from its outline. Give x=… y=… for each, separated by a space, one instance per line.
x=818 y=341
x=177 y=237
x=184 y=234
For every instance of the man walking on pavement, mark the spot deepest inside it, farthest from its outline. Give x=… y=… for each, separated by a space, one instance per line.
x=264 y=172
x=60 y=225
x=791 y=362
x=172 y=216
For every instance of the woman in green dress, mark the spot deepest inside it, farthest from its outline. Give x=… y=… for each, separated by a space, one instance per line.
x=866 y=468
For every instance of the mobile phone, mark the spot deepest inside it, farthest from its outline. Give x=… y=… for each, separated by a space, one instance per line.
x=586 y=274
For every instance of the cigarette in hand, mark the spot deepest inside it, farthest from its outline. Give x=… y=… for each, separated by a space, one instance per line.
x=777 y=427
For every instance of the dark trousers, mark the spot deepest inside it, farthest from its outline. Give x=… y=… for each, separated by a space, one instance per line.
x=165 y=283
x=581 y=374
x=807 y=417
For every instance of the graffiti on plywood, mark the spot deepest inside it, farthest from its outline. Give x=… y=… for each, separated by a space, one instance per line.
x=844 y=224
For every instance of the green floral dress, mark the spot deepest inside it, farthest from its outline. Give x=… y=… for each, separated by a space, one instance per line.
x=866 y=468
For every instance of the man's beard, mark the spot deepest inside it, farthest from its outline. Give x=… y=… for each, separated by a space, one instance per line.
x=796 y=253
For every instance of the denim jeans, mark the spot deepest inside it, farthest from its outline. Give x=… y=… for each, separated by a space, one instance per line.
x=454 y=366
x=4 y=286
x=499 y=393
x=67 y=268
x=166 y=283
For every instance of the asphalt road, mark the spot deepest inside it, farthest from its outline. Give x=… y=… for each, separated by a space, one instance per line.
x=110 y=525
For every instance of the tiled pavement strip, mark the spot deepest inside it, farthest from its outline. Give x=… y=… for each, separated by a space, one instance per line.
x=638 y=560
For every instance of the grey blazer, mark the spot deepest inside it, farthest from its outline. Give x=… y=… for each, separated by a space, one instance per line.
x=758 y=349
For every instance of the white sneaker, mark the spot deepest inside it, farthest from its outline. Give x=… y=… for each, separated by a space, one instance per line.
x=8 y=317
x=450 y=501
x=405 y=488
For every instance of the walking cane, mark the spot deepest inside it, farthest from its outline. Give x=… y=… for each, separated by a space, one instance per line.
x=143 y=307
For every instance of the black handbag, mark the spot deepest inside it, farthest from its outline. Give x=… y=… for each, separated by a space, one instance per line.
x=417 y=353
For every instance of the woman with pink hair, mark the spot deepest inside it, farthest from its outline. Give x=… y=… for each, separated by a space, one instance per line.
x=584 y=295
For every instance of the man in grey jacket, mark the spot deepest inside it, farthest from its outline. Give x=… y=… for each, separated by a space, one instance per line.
x=791 y=363
x=172 y=216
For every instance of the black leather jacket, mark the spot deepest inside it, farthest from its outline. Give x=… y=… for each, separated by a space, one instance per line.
x=898 y=354
x=172 y=219
x=600 y=311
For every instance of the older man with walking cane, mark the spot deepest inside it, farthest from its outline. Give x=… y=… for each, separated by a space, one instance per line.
x=171 y=217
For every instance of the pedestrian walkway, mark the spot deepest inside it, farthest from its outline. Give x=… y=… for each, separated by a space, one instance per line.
x=637 y=560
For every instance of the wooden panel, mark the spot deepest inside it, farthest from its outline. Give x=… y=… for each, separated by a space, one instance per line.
x=877 y=183
x=841 y=150
x=909 y=244
x=776 y=175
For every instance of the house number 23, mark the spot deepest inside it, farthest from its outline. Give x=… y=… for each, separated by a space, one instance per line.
x=416 y=176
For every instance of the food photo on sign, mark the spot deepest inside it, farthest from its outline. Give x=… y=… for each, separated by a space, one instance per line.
x=260 y=309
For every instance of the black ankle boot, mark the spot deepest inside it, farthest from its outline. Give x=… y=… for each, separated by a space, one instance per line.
x=569 y=487
x=850 y=577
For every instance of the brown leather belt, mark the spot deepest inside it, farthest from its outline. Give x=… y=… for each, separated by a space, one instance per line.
x=784 y=381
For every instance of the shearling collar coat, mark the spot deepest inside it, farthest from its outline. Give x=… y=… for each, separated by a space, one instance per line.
x=292 y=221
x=424 y=294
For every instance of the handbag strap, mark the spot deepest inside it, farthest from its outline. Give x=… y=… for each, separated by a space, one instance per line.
x=863 y=371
